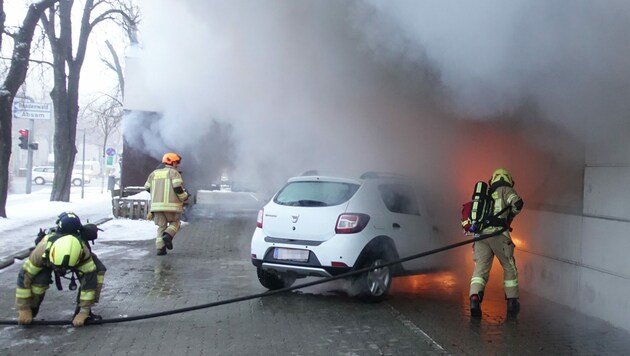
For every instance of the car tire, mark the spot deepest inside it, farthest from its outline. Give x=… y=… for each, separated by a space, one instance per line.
x=39 y=180
x=76 y=182
x=373 y=286
x=272 y=281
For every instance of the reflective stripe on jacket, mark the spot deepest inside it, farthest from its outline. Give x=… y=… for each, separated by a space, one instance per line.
x=36 y=264
x=161 y=183
x=502 y=197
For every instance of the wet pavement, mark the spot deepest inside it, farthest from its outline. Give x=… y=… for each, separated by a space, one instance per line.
x=425 y=314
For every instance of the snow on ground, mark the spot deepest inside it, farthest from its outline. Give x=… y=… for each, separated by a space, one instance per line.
x=27 y=213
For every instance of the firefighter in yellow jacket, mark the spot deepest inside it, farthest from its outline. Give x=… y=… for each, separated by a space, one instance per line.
x=167 y=199
x=507 y=204
x=61 y=251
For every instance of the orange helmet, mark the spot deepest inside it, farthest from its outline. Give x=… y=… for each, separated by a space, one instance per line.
x=170 y=158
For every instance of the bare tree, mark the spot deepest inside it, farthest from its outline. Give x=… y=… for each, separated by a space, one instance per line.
x=67 y=64
x=106 y=114
x=14 y=79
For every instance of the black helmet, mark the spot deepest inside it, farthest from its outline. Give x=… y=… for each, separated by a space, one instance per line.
x=68 y=223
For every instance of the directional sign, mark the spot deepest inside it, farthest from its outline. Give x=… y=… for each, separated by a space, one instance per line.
x=30 y=110
x=110 y=151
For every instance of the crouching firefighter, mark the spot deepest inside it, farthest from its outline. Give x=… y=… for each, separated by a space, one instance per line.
x=506 y=204
x=64 y=250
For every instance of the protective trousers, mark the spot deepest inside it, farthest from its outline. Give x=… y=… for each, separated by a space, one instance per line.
x=167 y=221
x=32 y=296
x=483 y=255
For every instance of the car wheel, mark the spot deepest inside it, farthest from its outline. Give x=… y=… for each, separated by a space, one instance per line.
x=39 y=180
x=76 y=181
x=374 y=285
x=272 y=281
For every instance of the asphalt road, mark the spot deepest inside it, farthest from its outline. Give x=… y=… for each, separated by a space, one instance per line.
x=425 y=314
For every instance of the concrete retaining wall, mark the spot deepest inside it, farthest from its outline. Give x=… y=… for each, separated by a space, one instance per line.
x=582 y=260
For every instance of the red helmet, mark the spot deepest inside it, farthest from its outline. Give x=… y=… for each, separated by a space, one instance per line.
x=170 y=158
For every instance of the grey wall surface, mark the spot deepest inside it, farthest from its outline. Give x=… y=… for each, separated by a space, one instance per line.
x=581 y=260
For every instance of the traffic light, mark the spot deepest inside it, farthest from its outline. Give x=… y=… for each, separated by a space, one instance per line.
x=23 y=139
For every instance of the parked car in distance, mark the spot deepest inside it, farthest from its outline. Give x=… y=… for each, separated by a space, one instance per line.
x=91 y=168
x=324 y=226
x=46 y=174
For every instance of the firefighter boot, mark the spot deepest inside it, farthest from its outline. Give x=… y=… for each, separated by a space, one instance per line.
x=513 y=306
x=25 y=317
x=161 y=251
x=91 y=316
x=168 y=240
x=36 y=301
x=475 y=305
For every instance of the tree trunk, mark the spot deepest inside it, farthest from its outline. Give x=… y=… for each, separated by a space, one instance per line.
x=65 y=93
x=13 y=81
x=64 y=100
x=64 y=142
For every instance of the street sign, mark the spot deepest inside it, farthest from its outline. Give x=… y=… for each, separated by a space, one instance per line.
x=110 y=160
x=32 y=110
x=110 y=151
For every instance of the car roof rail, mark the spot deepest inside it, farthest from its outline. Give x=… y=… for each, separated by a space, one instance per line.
x=311 y=172
x=373 y=175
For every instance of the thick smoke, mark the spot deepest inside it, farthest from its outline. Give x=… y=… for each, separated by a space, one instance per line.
x=570 y=59
x=294 y=79
x=444 y=90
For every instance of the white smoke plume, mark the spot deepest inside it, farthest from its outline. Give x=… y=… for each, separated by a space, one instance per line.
x=399 y=85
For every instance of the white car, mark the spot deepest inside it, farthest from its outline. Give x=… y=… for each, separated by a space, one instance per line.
x=46 y=174
x=324 y=226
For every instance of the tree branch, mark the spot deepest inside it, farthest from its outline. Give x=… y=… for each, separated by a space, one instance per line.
x=32 y=60
x=105 y=15
x=118 y=69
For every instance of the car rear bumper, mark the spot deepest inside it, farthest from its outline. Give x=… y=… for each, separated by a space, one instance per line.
x=313 y=269
x=338 y=253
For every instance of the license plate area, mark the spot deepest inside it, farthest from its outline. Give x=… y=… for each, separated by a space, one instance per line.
x=290 y=254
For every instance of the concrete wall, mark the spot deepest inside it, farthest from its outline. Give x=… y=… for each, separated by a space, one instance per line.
x=581 y=260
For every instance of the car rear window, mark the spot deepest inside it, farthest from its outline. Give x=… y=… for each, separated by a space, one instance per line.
x=399 y=198
x=315 y=193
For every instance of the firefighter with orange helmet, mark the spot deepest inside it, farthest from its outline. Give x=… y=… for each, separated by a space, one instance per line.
x=168 y=195
x=506 y=205
x=62 y=251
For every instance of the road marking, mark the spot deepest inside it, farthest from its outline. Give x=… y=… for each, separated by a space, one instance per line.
x=253 y=196
x=414 y=328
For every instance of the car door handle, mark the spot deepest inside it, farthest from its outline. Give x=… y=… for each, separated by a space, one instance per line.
x=396 y=226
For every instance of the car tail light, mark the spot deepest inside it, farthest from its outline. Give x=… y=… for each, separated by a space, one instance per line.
x=351 y=223
x=338 y=264
x=259 y=219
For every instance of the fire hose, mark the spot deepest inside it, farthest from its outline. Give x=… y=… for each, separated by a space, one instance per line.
x=260 y=295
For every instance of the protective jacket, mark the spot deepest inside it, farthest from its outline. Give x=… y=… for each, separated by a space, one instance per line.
x=503 y=196
x=500 y=245
x=167 y=189
x=35 y=277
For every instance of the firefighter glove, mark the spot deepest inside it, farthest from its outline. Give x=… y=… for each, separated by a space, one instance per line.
x=40 y=235
x=25 y=317
x=79 y=319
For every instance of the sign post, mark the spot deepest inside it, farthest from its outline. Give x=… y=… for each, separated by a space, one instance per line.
x=31 y=111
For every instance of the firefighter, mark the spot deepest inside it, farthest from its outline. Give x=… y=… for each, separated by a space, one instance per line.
x=62 y=251
x=168 y=195
x=507 y=204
